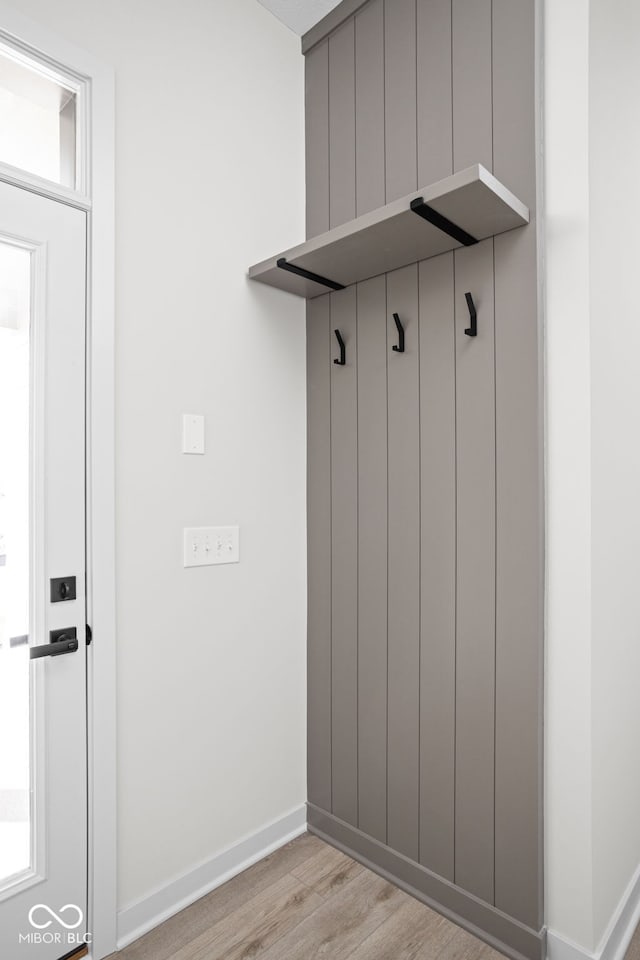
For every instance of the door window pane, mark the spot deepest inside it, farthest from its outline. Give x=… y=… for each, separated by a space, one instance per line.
x=38 y=122
x=15 y=594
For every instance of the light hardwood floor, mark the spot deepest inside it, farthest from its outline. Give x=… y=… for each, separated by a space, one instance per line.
x=633 y=950
x=308 y=901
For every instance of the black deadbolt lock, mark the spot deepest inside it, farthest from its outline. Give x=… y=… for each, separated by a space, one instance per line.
x=63 y=588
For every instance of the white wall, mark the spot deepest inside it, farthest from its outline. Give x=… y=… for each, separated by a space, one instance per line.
x=211 y=661
x=614 y=156
x=568 y=815
x=592 y=156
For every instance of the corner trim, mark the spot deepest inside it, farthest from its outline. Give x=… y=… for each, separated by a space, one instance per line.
x=479 y=918
x=138 y=918
x=617 y=936
x=330 y=22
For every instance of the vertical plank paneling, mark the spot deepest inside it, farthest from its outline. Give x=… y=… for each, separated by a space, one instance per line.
x=519 y=583
x=472 y=106
x=424 y=476
x=344 y=562
x=317 y=138
x=435 y=122
x=404 y=566
x=370 y=185
x=372 y=558
x=438 y=565
x=342 y=125
x=518 y=785
x=319 y=552
x=475 y=643
x=400 y=98
x=514 y=97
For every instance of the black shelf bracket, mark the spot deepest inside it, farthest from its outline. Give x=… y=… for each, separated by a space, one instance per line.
x=471 y=331
x=284 y=264
x=399 y=346
x=343 y=350
x=442 y=223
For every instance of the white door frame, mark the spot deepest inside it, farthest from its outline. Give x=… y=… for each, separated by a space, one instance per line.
x=98 y=198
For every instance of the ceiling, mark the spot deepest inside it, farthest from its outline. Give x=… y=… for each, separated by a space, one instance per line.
x=299 y=15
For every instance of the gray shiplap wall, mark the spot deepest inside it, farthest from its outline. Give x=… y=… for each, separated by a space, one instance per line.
x=425 y=469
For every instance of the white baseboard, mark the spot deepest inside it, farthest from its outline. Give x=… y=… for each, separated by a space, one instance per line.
x=617 y=937
x=140 y=917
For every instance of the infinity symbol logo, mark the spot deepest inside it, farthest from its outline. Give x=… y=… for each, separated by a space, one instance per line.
x=55 y=916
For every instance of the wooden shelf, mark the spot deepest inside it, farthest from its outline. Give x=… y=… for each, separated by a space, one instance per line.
x=457 y=211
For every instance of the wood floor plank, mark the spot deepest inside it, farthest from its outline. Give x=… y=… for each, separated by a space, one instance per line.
x=633 y=950
x=327 y=871
x=340 y=925
x=464 y=946
x=256 y=924
x=413 y=932
x=165 y=940
x=310 y=900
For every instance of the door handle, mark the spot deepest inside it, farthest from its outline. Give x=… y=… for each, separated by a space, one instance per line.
x=61 y=641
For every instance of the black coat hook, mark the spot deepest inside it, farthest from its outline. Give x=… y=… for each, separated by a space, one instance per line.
x=471 y=331
x=399 y=347
x=343 y=352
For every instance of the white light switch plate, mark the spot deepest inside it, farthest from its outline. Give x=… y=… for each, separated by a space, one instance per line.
x=208 y=546
x=192 y=433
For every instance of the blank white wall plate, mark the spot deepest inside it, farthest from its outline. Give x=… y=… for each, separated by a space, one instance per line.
x=192 y=433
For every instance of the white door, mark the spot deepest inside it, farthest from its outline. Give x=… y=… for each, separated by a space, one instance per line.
x=43 y=765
